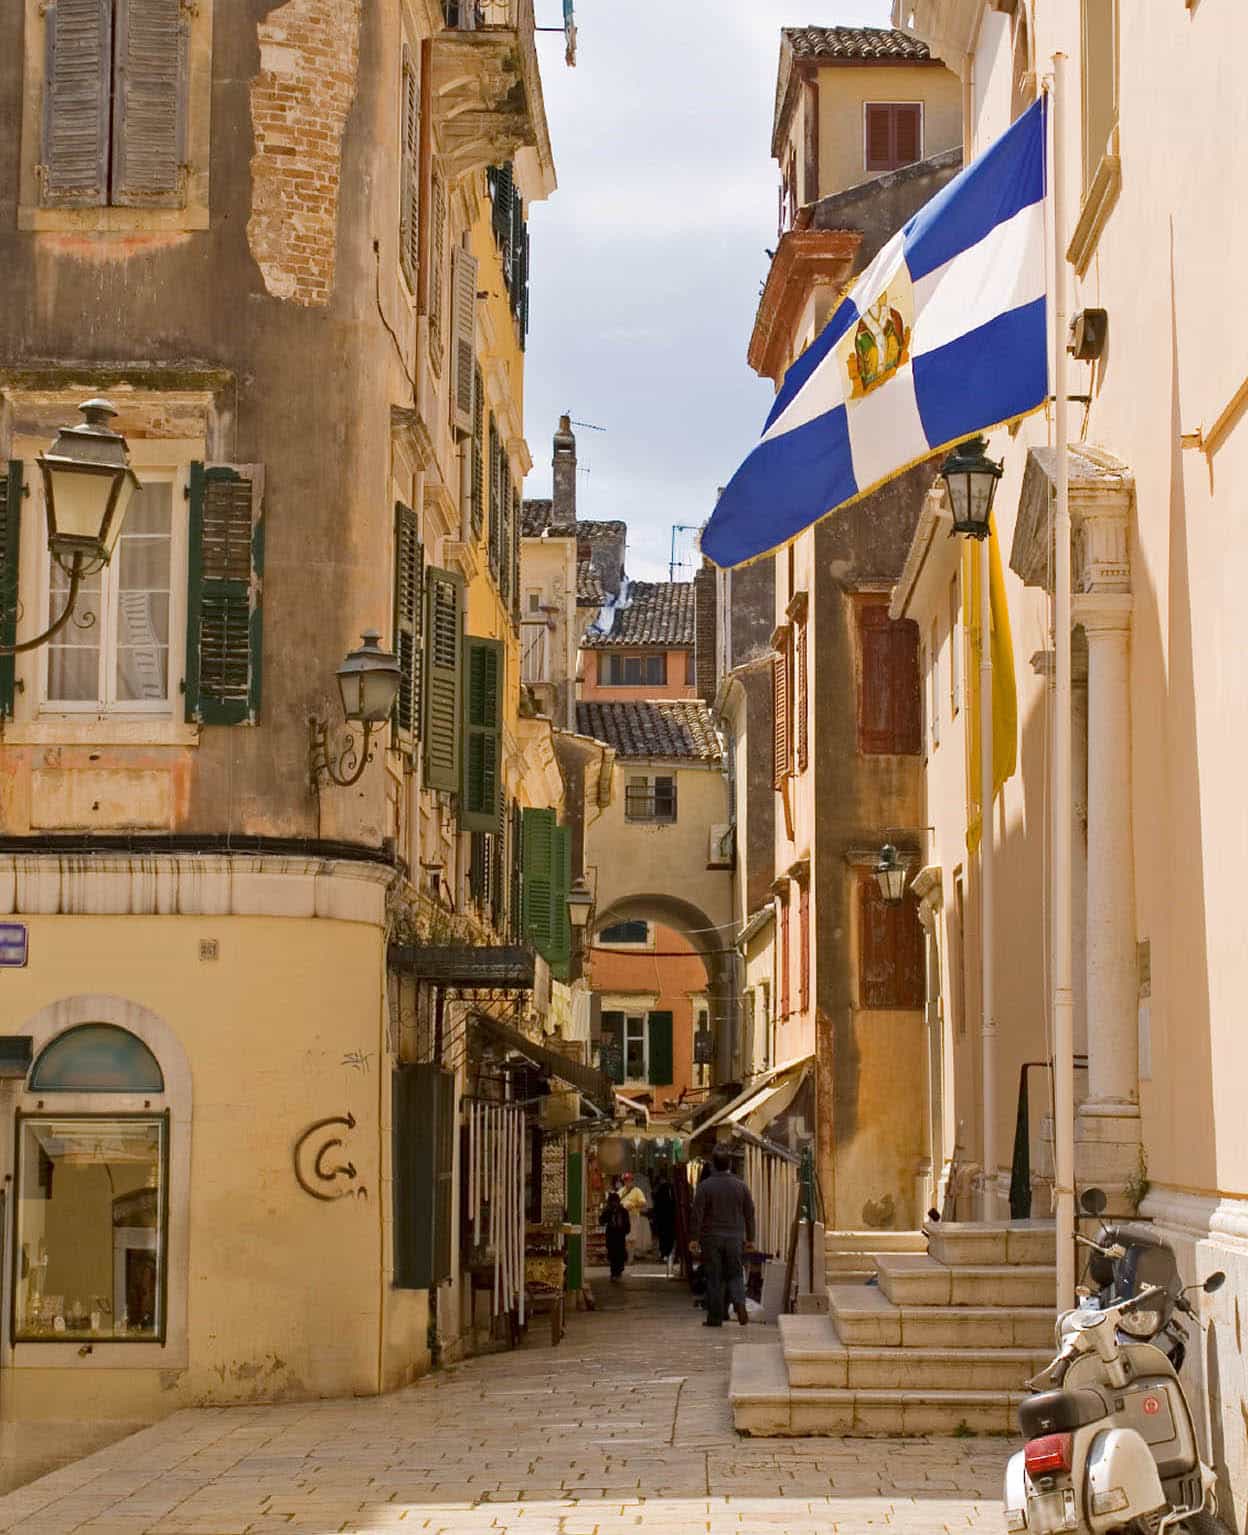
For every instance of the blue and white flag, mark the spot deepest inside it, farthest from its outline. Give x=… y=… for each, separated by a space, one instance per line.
x=943 y=336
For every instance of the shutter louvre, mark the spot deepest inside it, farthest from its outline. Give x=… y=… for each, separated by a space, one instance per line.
x=907 y=120
x=149 y=104
x=10 y=578
x=780 y=709
x=444 y=608
x=784 y=959
x=478 y=452
x=803 y=938
x=537 y=829
x=437 y=271
x=875 y=715
x=463 y=338
x=501 y=218
x=77 y=90
x=803 y=698
x=409 y=595
x=224 y=603
x=494 y=487
x=904 y=688
x=481 y=754
x=559 y=955
x=409 y=174
x=659 y=1054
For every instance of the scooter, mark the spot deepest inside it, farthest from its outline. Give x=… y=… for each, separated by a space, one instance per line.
x=1113 y=1446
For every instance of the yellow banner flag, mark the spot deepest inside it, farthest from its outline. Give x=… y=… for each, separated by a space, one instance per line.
x=1004 y=689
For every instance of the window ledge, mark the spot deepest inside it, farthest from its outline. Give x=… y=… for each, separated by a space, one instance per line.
x=1098 y=204
x=99 y=730
x=136 y=221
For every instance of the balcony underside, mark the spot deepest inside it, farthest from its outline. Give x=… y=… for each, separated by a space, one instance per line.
x=488 y=98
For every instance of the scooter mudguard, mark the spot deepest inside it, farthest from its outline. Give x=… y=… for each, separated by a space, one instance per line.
x=1015 y=1493
x=1120 y=1480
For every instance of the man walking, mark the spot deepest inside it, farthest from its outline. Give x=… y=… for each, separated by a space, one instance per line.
x=722 y=1223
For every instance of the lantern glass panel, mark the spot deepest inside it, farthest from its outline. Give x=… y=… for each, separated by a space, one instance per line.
x=377 y=690
x=78 y=505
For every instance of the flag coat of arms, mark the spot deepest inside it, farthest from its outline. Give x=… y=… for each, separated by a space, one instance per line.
x=942 y=336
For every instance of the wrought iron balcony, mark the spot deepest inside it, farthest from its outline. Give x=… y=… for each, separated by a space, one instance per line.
x=488 y=91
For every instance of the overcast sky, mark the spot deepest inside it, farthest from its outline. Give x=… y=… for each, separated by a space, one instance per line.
x=648 y=260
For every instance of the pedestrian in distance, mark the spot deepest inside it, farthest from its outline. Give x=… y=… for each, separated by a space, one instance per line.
x=663 y=1216
x=634 y=1202
x=614 y=1218
x=721 y=1225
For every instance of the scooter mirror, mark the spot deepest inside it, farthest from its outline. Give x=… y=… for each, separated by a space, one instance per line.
x=1215 y=1282
x=1094 y=1201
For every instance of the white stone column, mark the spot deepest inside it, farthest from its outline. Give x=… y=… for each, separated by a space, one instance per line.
x=1108 y=1131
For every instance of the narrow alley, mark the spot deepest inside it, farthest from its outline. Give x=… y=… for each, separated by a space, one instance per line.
x=624 y=1425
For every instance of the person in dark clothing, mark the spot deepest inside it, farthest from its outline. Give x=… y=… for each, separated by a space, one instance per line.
x=721 y=1225
x=663 y=1216
x=614 y=1218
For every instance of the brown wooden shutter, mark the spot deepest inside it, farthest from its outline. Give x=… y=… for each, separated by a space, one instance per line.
x=409 y=604
x=780 y=707
x=77 y=92
x=890 y=950
x=409 y=173
x=784 y=959
x=149 y=104
x=803 y=938
x=879 y=134
x=875 y=665
x=802 y=708
x=907 y=133
x=904 y=685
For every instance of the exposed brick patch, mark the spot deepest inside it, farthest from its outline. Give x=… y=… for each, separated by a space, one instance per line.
x=309 y=61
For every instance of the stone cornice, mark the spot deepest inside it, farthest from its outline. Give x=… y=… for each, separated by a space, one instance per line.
x=804 y=259
x=1101 y=488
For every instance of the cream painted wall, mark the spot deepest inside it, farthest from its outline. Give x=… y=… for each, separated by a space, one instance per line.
x=843 y=94
x=289 y=1297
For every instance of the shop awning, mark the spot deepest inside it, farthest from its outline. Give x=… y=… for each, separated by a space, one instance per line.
x=589 y=1083
x=759 y=1104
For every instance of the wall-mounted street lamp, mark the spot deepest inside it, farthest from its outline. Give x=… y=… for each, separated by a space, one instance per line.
x=87 y=486
x=971 y=477
x=580 y=904
x=368 y=681
x=891 y=874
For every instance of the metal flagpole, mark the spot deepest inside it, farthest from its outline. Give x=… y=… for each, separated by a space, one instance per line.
x=1063 y=995
x=988 y=1021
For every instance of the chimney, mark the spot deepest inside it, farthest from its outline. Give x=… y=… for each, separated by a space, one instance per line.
x=563 y=490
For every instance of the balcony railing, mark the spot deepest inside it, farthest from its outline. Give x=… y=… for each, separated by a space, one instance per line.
x=475 y=15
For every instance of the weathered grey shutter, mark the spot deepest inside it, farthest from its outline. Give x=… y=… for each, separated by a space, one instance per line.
x=10 y=565
x=225 y=580
x=409 y=173
x=463 y=337
x=409 y=613
x=437 y=270
x=484 y=664
x=444 y=624
x=77 y=90
x=149 y=104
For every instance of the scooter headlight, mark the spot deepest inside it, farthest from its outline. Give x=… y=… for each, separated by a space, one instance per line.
x=1143 y=1323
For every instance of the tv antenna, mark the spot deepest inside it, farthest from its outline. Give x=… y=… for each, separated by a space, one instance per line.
x=673 y=562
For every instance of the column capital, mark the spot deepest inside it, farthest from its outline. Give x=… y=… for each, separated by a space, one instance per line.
x=1102 y=612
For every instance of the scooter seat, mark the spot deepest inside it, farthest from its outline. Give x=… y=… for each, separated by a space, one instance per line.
x=1058 y=1412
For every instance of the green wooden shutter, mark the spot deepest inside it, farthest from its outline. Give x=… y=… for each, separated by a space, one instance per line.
x=538 y=829
x=559 y=954
x=423 y=1119
x=225 y=580
x=444 y=627
x=515 y=851
x=496 y=480
x=77 y=91
x=481 y=754
x=10 y=567
x=409 y=605
x=504 y=197
x=504 y=535
x=149 y=104
x=659 y=1054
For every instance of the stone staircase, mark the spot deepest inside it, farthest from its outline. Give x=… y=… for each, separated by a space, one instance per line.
x=943 y=1340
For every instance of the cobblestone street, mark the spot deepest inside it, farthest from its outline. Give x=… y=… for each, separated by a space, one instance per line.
x=625 y=1426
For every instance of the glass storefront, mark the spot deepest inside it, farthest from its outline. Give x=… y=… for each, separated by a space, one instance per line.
x=90 y=1255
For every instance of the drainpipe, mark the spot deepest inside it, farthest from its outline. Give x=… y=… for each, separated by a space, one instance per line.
x=988 y=1034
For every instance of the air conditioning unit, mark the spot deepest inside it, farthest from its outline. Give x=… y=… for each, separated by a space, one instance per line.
x=723 y=845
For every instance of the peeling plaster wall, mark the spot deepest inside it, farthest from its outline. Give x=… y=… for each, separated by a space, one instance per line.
x=309 y=58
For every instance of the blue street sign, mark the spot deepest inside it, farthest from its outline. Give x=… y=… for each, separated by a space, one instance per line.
x=13 y=945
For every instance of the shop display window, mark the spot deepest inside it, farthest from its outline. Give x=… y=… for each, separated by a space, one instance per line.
x=90 y=1253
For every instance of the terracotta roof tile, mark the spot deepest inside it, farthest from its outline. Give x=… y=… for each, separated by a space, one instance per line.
x=886 y=43
x=664 y=727
x=590 y=592
x=658 y=613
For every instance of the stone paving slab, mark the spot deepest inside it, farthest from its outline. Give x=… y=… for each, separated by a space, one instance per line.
x=622 y=1429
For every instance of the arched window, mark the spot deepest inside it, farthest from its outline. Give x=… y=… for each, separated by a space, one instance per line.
x=97 y=1058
